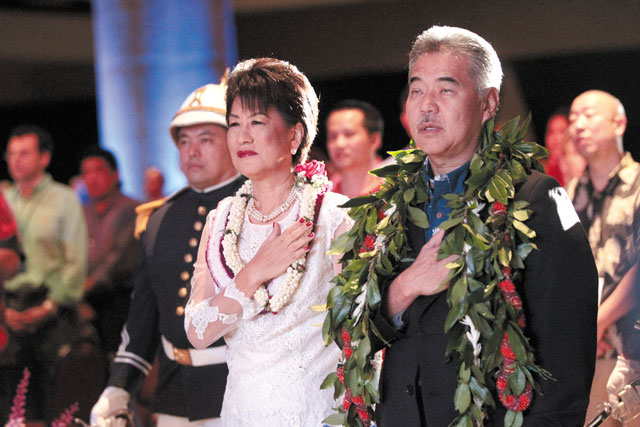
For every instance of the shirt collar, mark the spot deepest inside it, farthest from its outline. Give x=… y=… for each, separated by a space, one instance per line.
x=215 y=187
x=44 y=181
x=615 y=175
x=109 y=200
x=455 y=178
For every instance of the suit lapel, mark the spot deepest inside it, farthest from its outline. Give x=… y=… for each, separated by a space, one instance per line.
x=417 y=240
x=416 y=237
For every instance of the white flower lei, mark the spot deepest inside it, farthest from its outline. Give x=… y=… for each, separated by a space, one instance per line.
x=295 y=272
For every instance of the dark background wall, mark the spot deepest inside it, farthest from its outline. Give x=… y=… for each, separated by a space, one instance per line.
x=551 y=51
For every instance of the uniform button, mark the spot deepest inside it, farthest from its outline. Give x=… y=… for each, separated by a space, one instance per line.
x=184 y=276
x=202 y=210
x=197 y=226
x=193 y=242
x=409 y=390
x=188 y=258
x=180 y=310
x=439 y=215
x=182 y=292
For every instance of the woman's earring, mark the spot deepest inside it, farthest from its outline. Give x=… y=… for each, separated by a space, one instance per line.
x=293 y=151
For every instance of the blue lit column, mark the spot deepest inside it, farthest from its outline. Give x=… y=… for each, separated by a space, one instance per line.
x=149 y=55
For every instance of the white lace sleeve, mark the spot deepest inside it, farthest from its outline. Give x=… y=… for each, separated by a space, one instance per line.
x=215 y=307
x=201 y=314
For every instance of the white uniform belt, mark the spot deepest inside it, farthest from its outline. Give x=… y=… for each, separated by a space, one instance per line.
x=192 y=356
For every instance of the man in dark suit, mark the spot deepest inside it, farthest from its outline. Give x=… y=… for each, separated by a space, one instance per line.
x=454 y=81
x=191 y=382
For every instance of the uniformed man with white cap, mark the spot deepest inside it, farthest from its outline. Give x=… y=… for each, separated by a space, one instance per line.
x=191 y=382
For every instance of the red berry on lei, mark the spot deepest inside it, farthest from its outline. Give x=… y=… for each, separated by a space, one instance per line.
x=364 y=415
x=520 y=403
x=340 y=372
x=506 y=351
x=506 y=286
x=499 y=208
x=369 y=244
x=358 y=400
x=501 y=382
x=346 y=402
x=347 y=351
x=346 y=338
x=515 y=301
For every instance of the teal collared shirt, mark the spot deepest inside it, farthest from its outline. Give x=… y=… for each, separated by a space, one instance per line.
x=437 y=210
x=438 y=186
x=54 y=238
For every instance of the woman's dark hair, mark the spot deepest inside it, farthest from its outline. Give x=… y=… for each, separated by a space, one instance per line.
x=261 y=83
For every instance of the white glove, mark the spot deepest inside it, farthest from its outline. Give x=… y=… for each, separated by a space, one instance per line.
x=112 y=402
x=627 y=406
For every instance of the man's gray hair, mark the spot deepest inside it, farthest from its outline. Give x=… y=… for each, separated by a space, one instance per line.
x=485 y=69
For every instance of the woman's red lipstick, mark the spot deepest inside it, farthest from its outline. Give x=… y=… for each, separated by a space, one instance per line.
x=246 y=153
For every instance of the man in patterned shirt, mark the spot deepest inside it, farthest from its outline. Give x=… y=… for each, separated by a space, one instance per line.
x=607 y=199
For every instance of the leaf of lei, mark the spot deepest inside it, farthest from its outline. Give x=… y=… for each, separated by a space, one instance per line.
x=492 y=248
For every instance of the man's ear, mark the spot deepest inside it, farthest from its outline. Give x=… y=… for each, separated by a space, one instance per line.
x=620 y=122
x=376 y=141
x=45 y=159
x=490 y=102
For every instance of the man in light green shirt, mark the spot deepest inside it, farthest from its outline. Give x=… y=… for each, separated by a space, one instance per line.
x=54 y=238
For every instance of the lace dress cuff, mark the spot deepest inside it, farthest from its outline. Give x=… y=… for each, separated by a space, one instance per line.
x=201 y=314
x=249 y=305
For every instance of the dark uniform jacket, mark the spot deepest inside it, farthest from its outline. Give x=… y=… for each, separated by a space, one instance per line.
x=169 y=247
x=559 y=293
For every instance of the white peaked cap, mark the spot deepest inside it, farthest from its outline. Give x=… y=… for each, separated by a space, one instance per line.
x=206 y=104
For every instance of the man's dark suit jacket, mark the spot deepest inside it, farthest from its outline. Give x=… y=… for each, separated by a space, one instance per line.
x=559 y=293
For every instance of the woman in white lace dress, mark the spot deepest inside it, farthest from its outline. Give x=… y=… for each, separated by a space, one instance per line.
x=262 y=262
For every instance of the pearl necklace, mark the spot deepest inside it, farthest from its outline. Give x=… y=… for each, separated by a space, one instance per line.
x=295 y=271
x=259 y=216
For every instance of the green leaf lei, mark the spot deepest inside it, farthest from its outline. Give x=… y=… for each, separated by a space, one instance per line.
x=485 y=321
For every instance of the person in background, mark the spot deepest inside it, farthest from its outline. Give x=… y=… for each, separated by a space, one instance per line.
x=354 y=135
x=404 y=121
x=11 y=257
x=607 y=199
x=153 y=183
x=191 y=382
x=402 y=103
x=553 y=140
x=573 y=164
x=110 y=217
x=77 y=183
x=42 y=300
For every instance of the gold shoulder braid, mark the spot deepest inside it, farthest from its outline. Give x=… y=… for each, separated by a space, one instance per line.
x=485 y=320
x=143 y=212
